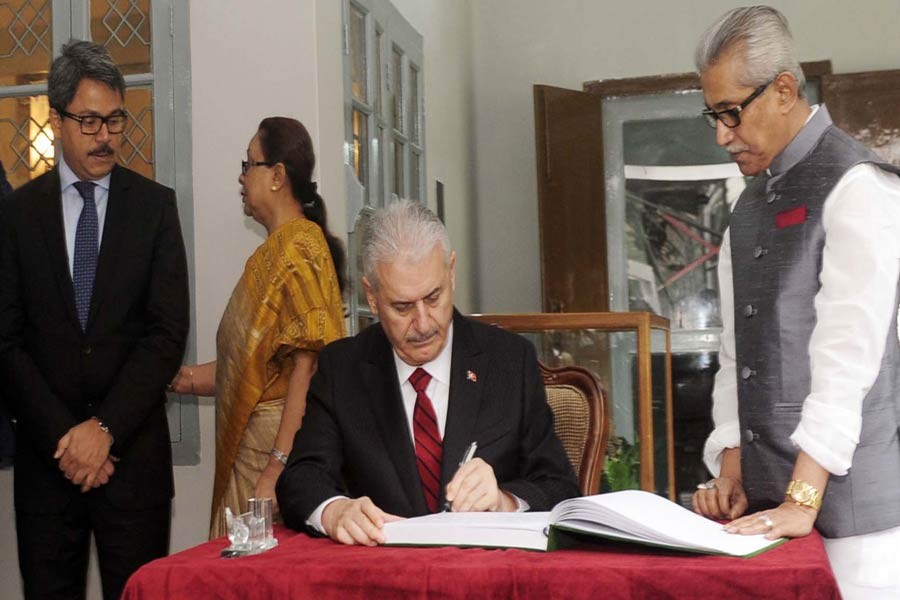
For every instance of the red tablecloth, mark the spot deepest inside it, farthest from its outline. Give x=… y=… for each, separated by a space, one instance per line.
x=305 y=567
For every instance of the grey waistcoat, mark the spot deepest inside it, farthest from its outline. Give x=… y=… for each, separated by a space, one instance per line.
x=776 y=276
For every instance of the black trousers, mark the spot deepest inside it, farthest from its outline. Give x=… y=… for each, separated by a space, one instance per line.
x=54 y=548
x=7 y=434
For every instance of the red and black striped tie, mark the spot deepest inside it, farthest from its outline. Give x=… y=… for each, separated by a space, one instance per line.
x=428 y=440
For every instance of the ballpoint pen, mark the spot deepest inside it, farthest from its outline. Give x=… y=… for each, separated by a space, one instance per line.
x=470 y=452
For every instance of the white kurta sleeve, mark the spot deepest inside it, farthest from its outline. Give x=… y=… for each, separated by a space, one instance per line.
x=726 y=433
x=854 y=309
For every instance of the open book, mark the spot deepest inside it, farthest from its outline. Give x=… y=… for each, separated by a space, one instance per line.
x=630 y=516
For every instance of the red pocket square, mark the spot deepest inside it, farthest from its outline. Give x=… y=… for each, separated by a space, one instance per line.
x=794 y=216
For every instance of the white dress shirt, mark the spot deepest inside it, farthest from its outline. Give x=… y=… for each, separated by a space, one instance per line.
x=438 y=391
x=854 y=306
x=72 y=203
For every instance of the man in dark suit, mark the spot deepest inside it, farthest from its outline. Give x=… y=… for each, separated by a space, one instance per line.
x=93 y=324
x=392 y=411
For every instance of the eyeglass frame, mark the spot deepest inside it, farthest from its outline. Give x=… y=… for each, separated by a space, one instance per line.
x=246 y=165
x=714 y=117
x=102 y=121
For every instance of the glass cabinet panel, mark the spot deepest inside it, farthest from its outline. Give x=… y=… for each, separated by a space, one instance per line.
x=675 y=215
x=640 y=452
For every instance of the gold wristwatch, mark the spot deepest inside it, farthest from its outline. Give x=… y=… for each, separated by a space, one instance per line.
x=803 y=494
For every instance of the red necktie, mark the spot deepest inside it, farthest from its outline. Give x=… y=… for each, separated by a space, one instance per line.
x=428 y=440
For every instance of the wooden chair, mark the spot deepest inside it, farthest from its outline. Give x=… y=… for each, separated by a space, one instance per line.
x=581 y=420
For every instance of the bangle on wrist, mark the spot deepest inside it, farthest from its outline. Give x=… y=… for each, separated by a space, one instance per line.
x=105 y=429
x=279 y=456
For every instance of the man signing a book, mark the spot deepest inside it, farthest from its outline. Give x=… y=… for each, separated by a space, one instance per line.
x=806 y=400
x=393 y=410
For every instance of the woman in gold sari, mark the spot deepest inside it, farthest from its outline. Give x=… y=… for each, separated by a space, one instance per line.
x=284 y=309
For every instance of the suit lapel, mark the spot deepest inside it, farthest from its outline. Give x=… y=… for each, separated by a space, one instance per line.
x=380 y=380
x=115 y=230
x=467 y=374
x=49 y=203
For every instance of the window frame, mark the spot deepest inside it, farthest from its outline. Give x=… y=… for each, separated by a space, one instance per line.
x=385 y=26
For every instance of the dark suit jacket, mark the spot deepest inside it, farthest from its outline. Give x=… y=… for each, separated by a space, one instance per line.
x=55 y=375
x=355 y=439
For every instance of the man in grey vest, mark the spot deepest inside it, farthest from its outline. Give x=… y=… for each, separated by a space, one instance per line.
x=807 y=399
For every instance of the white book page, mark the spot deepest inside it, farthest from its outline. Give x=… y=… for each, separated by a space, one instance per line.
x=498 y=530
x=652 y=518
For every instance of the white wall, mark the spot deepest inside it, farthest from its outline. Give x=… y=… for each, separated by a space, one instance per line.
x=518 y=43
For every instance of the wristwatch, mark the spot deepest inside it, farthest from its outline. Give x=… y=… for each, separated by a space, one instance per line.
x=803 y=494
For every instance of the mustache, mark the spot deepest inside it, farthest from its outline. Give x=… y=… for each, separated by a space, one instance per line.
x=101 y=150
x=418 y=338
x=735 y=148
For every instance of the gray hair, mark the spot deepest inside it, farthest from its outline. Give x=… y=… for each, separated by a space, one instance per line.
x=763 y=37
x=81 y=60
x=403 y=230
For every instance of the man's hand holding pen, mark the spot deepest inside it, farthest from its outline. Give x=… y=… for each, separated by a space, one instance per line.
x=474 y=488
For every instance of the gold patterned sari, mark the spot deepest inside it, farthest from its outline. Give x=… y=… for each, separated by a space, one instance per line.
x=287 y=299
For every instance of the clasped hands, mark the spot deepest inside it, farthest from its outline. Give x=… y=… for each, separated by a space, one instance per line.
x=724 y=498
x=359 y=521
x=83 y=454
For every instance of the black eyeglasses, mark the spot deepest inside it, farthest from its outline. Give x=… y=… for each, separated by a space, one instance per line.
x=731 y=117
x=91 y=124
x=246 y=164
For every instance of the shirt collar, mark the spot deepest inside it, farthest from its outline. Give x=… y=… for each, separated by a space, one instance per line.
x=816 y=123
x=67 y=176
x=439 y=368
